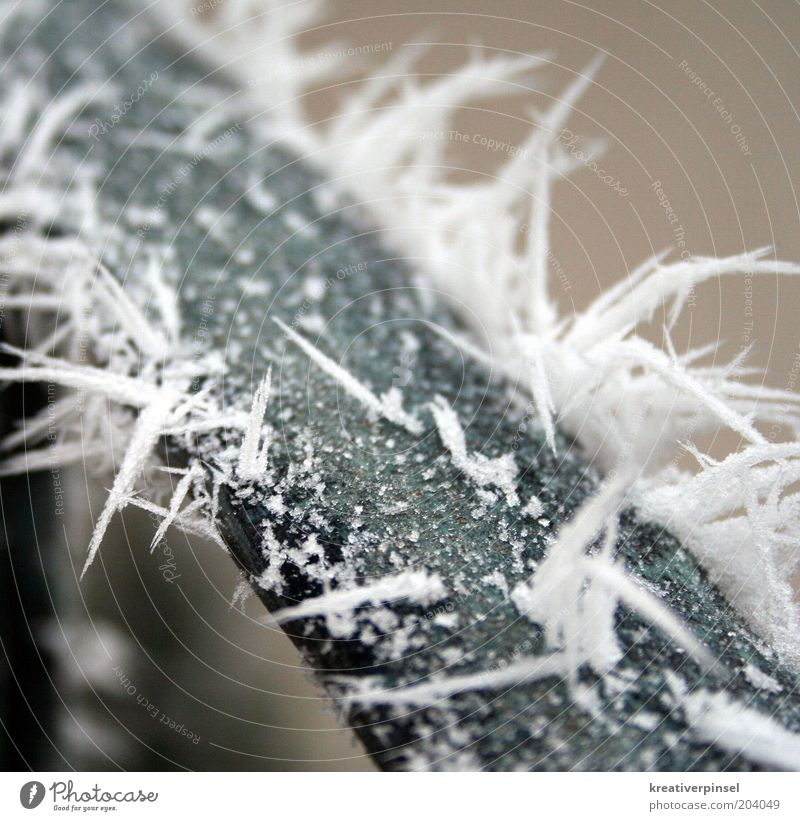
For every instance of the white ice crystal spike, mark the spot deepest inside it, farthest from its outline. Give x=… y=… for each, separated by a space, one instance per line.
x=429 y=105
x=625 y=588
x=499 y=472
x=655 y=362
x=166 y=300
x=192 y=520
x=717 y=718
x=540 y=387
x=542 y=310
x=386 y=406
x=145 y=436
x=366 y=95
x=518 y=672
x=53 y=121
x=254 y=454
x=416 y=586
x=637 y=302
x=133 y=321
x=563 y=106
x=739 y=517
x=599 y=609
x=120 y=388
x=582 y=623
x=176 y=502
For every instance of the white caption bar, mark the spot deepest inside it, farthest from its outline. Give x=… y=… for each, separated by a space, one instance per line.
x=456 y=796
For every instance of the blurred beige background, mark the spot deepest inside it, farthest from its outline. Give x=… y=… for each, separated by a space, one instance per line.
x=661 y=124
x=698 y=96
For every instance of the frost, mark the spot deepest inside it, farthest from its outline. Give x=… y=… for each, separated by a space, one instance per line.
x=500 y=472
x=389 y=406
x=575 y=595
x=761 y=680
x=739 y=517
x=497 y=579
x=276 y=505
x=447 y=620
x=159 y=390
x=517 y=672
x=534 y=508
x=624 y=399
x=254 y=454
x=716 y=718
x=139 y=388
x=419 y=587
